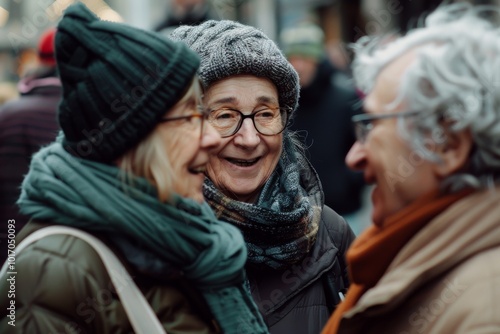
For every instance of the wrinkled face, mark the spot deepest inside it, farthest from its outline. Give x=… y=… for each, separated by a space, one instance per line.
x=244 y=161
x=188 y=142
x=399 y=173
x=306 y=68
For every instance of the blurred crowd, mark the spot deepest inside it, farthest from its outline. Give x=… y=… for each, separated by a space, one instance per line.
x=202 y=176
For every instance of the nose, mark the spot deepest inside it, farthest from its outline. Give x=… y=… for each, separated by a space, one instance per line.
x=247 y=135
x=210 y=138
x=356 y=157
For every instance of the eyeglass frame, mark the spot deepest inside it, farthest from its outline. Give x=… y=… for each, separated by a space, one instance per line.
x=361 y=130
x=286 y=110
x=202 y=115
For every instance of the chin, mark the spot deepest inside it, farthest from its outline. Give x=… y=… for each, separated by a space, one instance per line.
x=377 y=218
x=198 y=198
x=195 y=196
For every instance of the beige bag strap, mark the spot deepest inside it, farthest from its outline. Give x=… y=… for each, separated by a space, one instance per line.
x=142 y=317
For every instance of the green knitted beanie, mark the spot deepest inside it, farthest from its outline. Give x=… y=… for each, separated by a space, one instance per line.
x=305 y=40
x=118 y=82
x=228 y=48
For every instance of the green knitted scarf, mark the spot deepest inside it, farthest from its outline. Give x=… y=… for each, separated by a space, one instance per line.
x=281 y=228
x=80 y=193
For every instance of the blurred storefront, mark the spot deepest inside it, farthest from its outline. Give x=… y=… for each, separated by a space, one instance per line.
x=343 y=21
x=21 y=24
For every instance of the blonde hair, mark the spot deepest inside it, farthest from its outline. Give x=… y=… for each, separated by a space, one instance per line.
x=149 y=160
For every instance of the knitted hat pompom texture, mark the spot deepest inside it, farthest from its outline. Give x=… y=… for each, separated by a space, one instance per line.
x=228 y=48
x=118 y=82
x=46 y=47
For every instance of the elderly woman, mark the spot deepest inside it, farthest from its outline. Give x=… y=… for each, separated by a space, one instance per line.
x=430 y=144
x=260 y=181
x=129 y=170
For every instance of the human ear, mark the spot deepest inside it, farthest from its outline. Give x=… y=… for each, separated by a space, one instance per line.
x=454 y=152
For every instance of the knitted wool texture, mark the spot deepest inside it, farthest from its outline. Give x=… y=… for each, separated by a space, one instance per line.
x=118 y=82
x=228 y=48
x=305 y=40
x=281 y=228
x=81 y=193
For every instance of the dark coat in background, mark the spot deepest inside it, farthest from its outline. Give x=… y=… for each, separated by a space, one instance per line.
x=324 y=119
x=26 y=124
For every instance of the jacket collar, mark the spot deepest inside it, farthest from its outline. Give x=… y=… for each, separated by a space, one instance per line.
x=466 y=228
x=297 y=277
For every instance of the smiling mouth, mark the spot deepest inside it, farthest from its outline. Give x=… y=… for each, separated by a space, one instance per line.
x=198 y=170
x=243 y=163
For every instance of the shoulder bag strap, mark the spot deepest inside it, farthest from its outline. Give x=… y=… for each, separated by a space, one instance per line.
x=333 y=279
x=142 y=317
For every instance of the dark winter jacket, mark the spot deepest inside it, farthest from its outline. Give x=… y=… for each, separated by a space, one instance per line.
x=26 y=124
x=62 y=286
x=324 y=117
x=300 y=299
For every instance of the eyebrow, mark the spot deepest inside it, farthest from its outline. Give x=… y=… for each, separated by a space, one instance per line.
x=266 y=99
x=226 y=100
x=232 y=99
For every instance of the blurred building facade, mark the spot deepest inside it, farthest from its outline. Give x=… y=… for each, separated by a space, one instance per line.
x=344 y=21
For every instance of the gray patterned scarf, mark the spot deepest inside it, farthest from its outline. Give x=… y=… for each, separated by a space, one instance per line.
x=281 y=227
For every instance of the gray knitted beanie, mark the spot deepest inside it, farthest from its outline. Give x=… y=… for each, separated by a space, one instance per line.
x=228 y=48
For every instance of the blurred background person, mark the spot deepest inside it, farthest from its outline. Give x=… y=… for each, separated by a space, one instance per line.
x=8 y=91
x=430 y=144
x=185 y=12
x=260 y=180
x=130 y=174
x=323 y=118
x=26 y=124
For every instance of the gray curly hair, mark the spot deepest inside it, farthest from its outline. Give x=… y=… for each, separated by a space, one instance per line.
x=456 y=77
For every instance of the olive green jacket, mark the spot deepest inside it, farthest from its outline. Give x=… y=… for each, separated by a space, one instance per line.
x=62 y=286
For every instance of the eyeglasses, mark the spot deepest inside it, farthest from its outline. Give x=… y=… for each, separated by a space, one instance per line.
x=267 y=121
x=363 y=123
x=196 y=120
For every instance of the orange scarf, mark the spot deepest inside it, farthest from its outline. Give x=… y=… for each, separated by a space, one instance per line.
x=373 y=251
